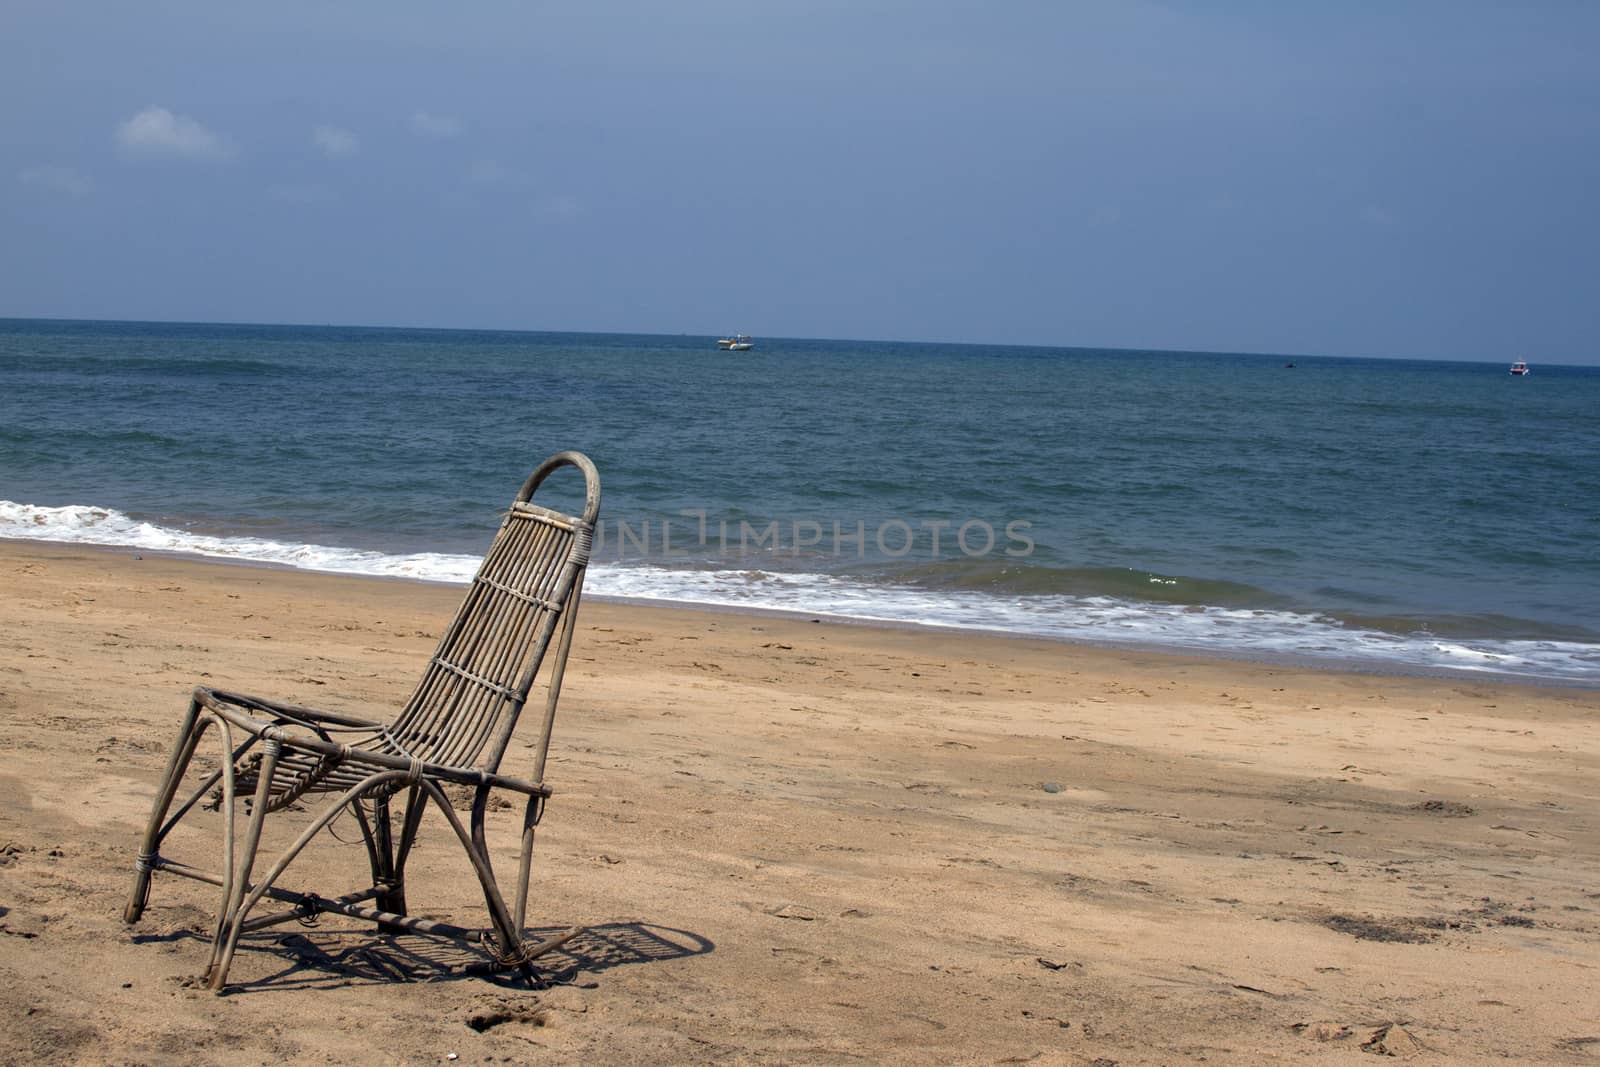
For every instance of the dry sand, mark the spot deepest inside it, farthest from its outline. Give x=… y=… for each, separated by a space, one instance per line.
x=817 y=843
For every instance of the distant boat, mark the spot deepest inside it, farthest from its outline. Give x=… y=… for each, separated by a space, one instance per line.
x=739 y=342
x=1520 y=367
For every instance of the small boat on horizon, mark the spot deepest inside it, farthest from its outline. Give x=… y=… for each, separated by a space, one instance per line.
x=739 y=342
x=1520 y=367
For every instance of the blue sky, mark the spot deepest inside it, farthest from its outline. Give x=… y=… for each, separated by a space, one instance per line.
x=1383 y=179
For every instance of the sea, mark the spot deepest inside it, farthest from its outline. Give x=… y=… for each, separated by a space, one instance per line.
x=1389 y=515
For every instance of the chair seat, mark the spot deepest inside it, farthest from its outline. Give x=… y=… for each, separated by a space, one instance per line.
x=305 y=763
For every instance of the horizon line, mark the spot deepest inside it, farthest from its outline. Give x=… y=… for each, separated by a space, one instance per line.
x=713 y=336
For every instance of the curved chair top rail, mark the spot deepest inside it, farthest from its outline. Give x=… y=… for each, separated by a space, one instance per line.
x=591 y=481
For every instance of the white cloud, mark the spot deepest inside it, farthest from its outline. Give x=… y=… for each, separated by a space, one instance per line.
x=430 y=125
x=334 y=141
x=155 y=131
x=57 y=180
x=488 y=173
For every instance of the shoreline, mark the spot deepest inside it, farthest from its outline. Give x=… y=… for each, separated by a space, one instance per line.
x=1286 y=660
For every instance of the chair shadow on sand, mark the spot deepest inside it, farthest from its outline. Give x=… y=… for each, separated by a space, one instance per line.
x=319 y=959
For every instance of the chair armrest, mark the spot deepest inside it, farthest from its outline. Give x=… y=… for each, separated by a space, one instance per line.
x=483 y=779
x=216 y=698
x=517 y=785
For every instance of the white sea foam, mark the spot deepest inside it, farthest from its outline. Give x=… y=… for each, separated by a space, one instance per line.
x=1106 y=620
x=82 y=524
x=1092 y=618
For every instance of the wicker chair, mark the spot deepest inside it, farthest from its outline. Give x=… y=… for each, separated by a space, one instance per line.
x=453 y=730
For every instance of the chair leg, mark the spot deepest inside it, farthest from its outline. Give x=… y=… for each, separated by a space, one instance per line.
x=232 y=923
x=248 y=895
x=379 y=837
x=509 y=936
x=510 y=930
x=416 y=804
x=177 y=764
x=530 y=819
x=229 y=851
x=388 y=857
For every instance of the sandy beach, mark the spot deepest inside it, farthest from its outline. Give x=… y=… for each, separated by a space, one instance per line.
x=800 y=842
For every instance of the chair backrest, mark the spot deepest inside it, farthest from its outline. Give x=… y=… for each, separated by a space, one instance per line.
x=465 y=708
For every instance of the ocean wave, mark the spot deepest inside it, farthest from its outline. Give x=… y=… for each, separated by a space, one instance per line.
x=1202 y=629
x=1122 y=620
x=84 y=524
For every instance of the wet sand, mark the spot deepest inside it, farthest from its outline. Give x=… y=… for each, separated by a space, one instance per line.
x=801 y=842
